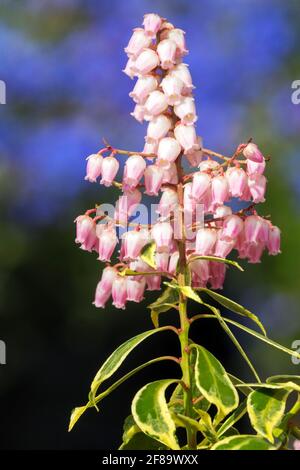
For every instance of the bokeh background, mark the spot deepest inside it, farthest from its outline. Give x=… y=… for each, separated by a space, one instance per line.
x=62 y=61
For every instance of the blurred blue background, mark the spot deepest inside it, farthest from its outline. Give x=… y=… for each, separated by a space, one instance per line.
x=62 y=61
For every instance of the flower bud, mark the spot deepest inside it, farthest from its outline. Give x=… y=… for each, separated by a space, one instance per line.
x=110 y=167
x=255 y=167
x=93 y=167
x=152 y=23
x=172 y=87
x=205 y=241
x=186 y=136
x=146 y=62
x=138 y=41
x=153 y=179
x=162 y=234
x=133 y=171
x=135 y=290
x=158 y=128
x=108 y=241
x=219 y=190
x=168 y=150
x=119 y=292
x=156 y=103
x=85 y=232
x=166 y=50
x=252 y=152
x=233 y=225
x=104 y=286
x=273 y=242
x=257 y=186
x=143 y=87
x=186 y=110
x=237 y=181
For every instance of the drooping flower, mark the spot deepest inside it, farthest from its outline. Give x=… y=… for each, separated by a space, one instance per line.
x=252 y=152
x=133 y=172
x=143 y=87
x=166 y=50
x=205 y=241
x=110 y=167
x=93 y=167
x=138 y=41
x=153 y=179
x=107 y=241
x=85 y=232
x=162 y=234
x=119 y=292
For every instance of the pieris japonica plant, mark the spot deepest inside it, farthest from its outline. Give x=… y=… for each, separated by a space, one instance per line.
x=183 y=253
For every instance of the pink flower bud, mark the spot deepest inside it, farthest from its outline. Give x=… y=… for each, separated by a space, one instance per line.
x=254 y=252
x=156 y=103
x=168 y=202
x=85 y=232
x=205 y=241
x=273 y=242
x=133 y=171
x=257 y=186
x=152 y=24
x=256 y=230
x=201 y=268
x=252 y=152
x=186 y=110
x=219 y=190
x=172 y=87
x=93 y=167
x=173 y=262
x=208 y=164
x=158 y=128
x=139 y=113
x=110 y=167
x=255 y=167
x=176 y=35
x=201 y=183
x=126 y=205
x=119 y=292
x=108 y=241
x=162 y=261
x=186 y=136
x=144 y=85
x=170 y=174
x=153 y=282
x=237 y=181
x=223 y=246
x=146 y=61
x=132 y=242
x=135 y=290
x=138 y=41
x=166 y=50
x=162 y=234
x=194 y=158
x=130 y=68
x=218 y=271
x=150 y=147
x=153 y=179
x=182 y=71
x=168 y=150
x=233 y=225
x=104 y=286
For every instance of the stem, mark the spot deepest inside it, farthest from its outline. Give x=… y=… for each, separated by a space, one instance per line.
x=184 y=321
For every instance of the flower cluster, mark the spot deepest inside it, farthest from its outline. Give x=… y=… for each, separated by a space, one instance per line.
x=163 y=98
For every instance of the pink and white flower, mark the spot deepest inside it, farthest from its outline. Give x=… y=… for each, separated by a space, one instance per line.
x=147 y=61
x=166 y=50
x=156 y=103
x=205 y=241
x=138 y=41
x=93 y=167
x=133 y=171
x=187 y=137
x=168 y=150
x=172 y=87
x=119 y=292
x=153 y=179
x=110 y=167
x=143 y=87
x=186 y=110
x=158 y=128
x=252 y=152
x=152 y=24
x=162 y=234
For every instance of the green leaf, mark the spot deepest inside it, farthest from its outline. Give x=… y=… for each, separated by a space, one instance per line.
x=75 y=415
x=284 y=378
x=114 y=361
x=140 y=441
x=130 y=428
x=151 y=413
x=186 y=290
x=169 y=299
x=265 y=409
x=243 y=442
x=213 y=382
x=218 y=259
x=233 y=339
x=148 y=254
x=234 y=307
x=206 y=426
x=238 y=413
x=185 y=421
x=130 y=272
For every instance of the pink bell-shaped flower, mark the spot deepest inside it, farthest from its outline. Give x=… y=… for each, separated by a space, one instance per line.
x=173 y=262
x=186 y=136
x=153 y=282
x=135 y=290
x=162 y=234
x=237 y=181
x=156 y=103
x=119 y=292
x=256 y=230
x=143 y=87
x=85 y=232
x=138 y=41
x=108 y=241
x=170 y=174
x=168 y=202
x=126 y=206
x=257 y=186
x=133 y=242
x=133 y=171
x=168 y=150
x=110 y=167
x=273 y=242
x=186 y=110
x=158 y=128
x=162 y=261
x=93 y=167
x=205 y=241
x=219 y=190
x=255 y=167
x=153 y=179
x=178 y=36
x=166 y=50
x=232 y=227
x=146 y=62
x=201 y=268
x=182 y=71
x=201 y=183
x=152 y=23
x=104 y=286
x=172 y=87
